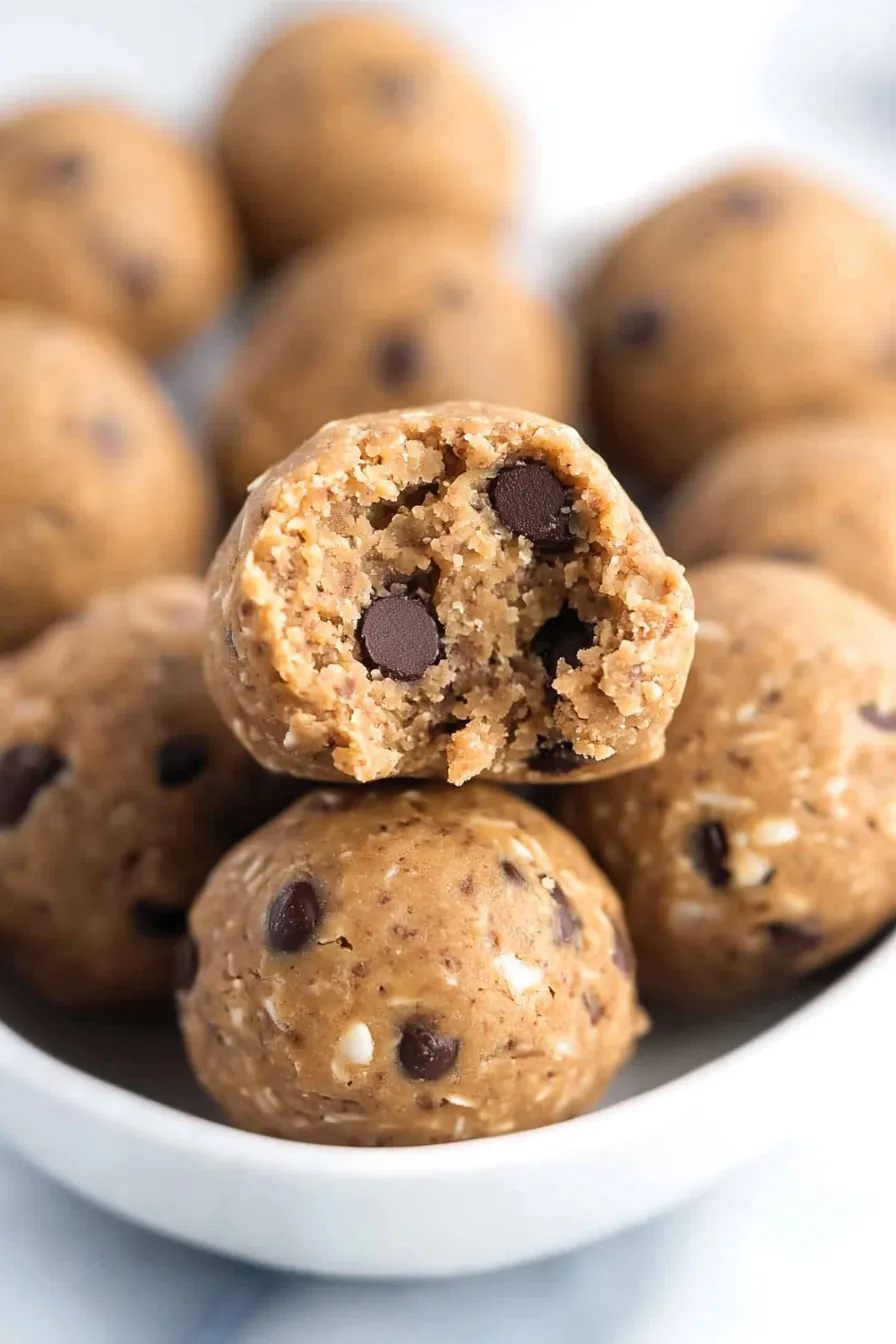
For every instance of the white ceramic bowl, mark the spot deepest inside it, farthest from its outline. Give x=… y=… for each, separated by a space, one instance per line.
x=112 y=1112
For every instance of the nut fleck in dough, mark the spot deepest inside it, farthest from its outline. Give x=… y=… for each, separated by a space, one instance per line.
x=757 y=295
x=397 y=313
x=97 y=485
x=763 y=845
x=120 y=787
x=351 y=115
x=814 y=492
x=452 y=591
x=112 y=220
x=407 y=967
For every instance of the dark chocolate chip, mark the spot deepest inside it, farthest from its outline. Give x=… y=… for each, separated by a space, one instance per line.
x=186 y=965
x=426 y=1053
x=24 y=770
x=567 y=924
x=108 y=433
x=140 y=277
x=878 y=718
x=531 y=502
x=293 y=915
x=641 y=325
x=792 y=555
x=593 y=1007
x=709 y=852
x=395 y=92
x=555 y=758
x=400 y=637
x=180 y=760
x=397 y=360
x=156 y=919
x=748 y=203
x=792 y=939
x=622 y=951
x=512 y=873
x=563 y=636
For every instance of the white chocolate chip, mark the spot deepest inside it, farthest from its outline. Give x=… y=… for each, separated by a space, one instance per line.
x=726 y=801
x=684 y=913
x=837 y=785
x=355 y=1050
x=237 y=1017
x=290 y=741
x=747 y=868
x=390 y=873
x=519 y=976
x=775 y=831
x=454 y=1099
x=270 y=1007
x=745 y=713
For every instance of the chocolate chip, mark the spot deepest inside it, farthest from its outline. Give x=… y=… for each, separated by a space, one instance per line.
x=108 y=433
x=400 y=637
x=65 y=169
x=593 y=1007
x=878 y=718
x=186 y=965
x=140 y=277
x=792 y=939
x=563 y=636
x=293 y=915
x=555 y=758
x=156 y=919
x=426 y=1053
x=24 y=770
x=622 y=952
x=792 y=555
x=748 y=203
x=512 y=873
x=531 y=502
x=397 y=360
x=180 y=760
x=709 y=852
x=641 y=325
x=567 y=924
x=396 y=92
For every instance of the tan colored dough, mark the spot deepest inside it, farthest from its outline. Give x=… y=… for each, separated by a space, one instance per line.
x=113 y=220
x=344 y=116
x=397 y=313
x=817 y=492
x=763 y=845
x=757 y=295
x=120 y=787
x=98 y=487
x=393 y=514
x=443 y=966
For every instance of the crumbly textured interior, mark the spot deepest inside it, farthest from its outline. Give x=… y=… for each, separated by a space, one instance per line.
x=763 y=845
x=403 y=504
x=347 y=116
x=405 y=967
x=114 y=221
x=722 y=310
x=98 y=487
x=818 y=492
x=120 y=787
x=397 y=312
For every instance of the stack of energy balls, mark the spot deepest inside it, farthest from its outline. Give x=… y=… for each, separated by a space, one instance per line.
x=295 y=789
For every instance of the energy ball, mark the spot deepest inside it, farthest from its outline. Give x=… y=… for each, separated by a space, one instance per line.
x=447 y=592
x=113 y=220
x=120 y=787
x=407 y=967
x=763 y=845
x=344 y=116
x=817 y=492
x=758 y=295
x=404 y=313
x=98 y=487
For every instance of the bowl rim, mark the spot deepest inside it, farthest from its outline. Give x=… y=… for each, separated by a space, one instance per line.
x=568 y=1140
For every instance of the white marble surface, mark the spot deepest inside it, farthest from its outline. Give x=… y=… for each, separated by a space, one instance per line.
x=618 y=99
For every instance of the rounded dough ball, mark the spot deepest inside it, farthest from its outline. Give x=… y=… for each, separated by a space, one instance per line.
x=120 y=787
x=349 y=115
x=759 y=294
x=763 y=845
x=813 y=492
x=98 y=487
x=407 y=967
x=112 y=220
x=404 y=313
x=446 y=592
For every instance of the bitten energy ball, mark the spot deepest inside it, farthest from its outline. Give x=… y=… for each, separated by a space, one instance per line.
x=112 y=220
x=389 y=314
x=98 y=487
x=445 y=593
x=763 y=845
x=817 y=492
x=350 y=115
x=119 y=789
x=407 y=967
x=758 y=295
